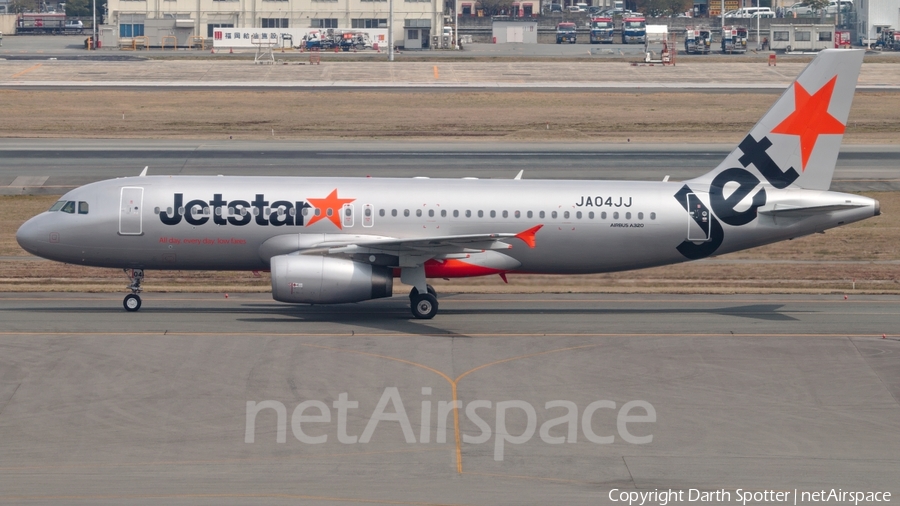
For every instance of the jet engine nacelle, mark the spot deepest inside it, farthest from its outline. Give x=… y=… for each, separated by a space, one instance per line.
x=317 y=279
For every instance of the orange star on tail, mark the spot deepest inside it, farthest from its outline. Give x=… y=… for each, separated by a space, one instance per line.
x=810 y=118
x=330 y=203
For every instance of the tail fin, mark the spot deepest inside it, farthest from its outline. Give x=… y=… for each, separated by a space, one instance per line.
x=796 y=142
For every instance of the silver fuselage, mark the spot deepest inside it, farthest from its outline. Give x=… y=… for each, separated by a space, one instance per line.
x=634 y=224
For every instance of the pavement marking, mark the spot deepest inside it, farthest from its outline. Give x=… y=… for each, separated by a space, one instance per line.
x=107 y=497
x=235 y=298
x=35 y=67
x=29 y=181
x=436 y=74
x=166 y=332
x=214 y=461
x=523 y=477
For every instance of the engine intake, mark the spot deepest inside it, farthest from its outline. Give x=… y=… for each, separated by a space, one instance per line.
x=326 y=280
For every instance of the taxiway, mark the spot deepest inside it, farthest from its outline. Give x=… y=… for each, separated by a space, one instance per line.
x=756 y=392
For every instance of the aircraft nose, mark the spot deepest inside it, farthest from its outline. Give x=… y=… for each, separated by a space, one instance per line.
x=29 y=236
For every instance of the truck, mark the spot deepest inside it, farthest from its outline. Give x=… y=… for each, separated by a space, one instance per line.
x=355 y=40
x=889 y=39
x=35 y=23
x=734 y=39
x=565 y=32
x=697 y=40
x=602 y=30
x=316 y=40
x=634 y=30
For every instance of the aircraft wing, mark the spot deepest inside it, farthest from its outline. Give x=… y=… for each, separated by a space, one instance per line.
x=434 y=246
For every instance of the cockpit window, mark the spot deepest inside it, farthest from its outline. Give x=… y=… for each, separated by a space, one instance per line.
x=57 y=206
x=69 y=207
x=82 y=208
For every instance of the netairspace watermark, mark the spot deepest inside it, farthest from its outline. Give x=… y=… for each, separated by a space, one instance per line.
x=317 y=412
x=740 y=496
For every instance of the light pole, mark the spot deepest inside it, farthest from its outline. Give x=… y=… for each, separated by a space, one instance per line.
x=722 y=13
x=758 y=38
x=390 y=30
x=94 y=28
x=456 y=23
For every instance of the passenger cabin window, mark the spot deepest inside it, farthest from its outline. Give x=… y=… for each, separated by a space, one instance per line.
x=57 y=206
x=381 y=212
x=82 y=208
x=69 y=207
x=443 y=213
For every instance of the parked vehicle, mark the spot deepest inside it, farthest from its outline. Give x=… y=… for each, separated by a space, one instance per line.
x=634 y=30
x=734 y=39
x=33 y=23
x=751 y=12
x=697 y=40
x=602 y=30
x=832 y=8
x=565 y=32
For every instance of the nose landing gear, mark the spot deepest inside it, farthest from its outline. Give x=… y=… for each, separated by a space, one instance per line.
x=132 y=301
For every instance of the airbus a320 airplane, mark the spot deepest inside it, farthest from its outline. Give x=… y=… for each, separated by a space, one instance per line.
x=338 y=240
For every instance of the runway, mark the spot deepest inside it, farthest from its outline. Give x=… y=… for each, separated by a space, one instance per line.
x=100 y=406
x=30 y=167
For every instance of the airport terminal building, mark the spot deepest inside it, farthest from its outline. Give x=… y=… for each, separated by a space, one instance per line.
x=184 y=19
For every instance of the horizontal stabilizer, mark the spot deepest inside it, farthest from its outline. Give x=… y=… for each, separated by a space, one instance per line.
x=809 y=210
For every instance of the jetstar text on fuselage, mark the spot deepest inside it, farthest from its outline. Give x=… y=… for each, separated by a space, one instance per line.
x=238 y=212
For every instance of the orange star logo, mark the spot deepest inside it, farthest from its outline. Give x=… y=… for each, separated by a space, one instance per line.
x=329 y=207
x=810 y=118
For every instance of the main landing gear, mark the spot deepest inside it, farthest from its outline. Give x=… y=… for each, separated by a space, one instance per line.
x=132 y=301
x=425 y=305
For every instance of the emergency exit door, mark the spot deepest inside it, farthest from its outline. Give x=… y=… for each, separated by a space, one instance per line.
x=131 y=203
x=698 y=219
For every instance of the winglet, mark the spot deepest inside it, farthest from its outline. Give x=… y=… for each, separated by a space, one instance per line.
x=519 y=175
x=527 y=236
x=144 y=172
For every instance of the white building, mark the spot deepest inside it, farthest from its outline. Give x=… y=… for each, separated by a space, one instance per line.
x=413 y=19
x=872 y=15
